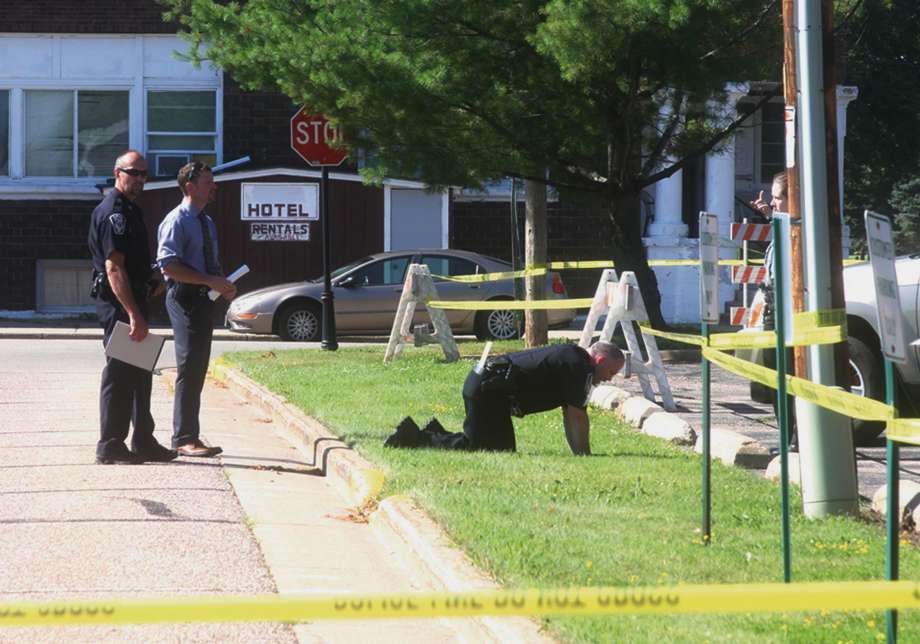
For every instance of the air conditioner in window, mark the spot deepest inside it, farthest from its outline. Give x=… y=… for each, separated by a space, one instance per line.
x=168 y=165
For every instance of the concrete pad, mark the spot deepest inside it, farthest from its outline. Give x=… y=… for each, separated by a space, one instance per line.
x=635 y=409
x=669 y=427
x=774 y=473
x=908 y=502
x=733 y=448
x=314 y=541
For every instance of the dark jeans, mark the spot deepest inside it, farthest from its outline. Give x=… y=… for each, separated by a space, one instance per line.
x=124 y=392
x=191 y=315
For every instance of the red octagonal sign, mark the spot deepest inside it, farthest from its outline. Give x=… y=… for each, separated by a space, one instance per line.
x=316 y=140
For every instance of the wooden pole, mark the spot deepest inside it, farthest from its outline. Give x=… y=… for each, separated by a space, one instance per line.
x=790 y=88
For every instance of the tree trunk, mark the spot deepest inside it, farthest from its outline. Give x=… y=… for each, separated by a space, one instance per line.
x=629 y=253
x=535 y=326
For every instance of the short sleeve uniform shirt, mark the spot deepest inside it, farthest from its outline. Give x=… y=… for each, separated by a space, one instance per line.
x=551 y=377
x=117 y=224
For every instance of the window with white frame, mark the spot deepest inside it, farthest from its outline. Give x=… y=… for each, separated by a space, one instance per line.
x=772 y=141
x=181 y=127
x=74 y=133
x=4 y=132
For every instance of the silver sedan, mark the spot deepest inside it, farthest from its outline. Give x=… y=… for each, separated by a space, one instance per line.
x=367 y=293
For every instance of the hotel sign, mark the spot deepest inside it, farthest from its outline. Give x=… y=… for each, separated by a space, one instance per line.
x=279 y=202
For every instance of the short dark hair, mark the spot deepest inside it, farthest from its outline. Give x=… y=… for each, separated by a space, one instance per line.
x=191 y=172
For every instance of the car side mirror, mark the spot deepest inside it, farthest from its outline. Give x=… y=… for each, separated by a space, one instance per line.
x=348 y=282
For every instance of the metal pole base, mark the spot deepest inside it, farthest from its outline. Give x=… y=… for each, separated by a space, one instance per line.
x=827 y=462
x=329 y=342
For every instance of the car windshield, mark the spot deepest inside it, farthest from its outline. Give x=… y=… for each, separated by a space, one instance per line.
x=344 y=269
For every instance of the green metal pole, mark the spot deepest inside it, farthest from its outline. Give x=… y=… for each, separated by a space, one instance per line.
x=893 y=514
x=779 y=293
x=707 y=461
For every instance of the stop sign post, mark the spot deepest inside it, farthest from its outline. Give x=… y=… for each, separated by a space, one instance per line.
x=317 y=142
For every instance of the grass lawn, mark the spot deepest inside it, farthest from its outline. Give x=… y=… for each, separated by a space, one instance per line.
x=627 y=516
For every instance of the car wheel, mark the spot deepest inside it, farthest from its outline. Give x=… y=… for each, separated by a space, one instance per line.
x=498 y=325
x=867 y=378
x=300 y=323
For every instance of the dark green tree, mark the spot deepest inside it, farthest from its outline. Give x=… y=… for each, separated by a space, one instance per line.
x=905 y=201
x=602 y=97
x=882 y=57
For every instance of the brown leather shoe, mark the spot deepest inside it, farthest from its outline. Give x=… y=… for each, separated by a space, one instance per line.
x=198 y=450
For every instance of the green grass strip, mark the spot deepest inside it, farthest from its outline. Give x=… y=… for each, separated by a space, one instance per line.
x=627 y=516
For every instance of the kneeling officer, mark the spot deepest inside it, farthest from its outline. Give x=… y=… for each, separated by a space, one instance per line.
x=122 y=272
x=518 y=384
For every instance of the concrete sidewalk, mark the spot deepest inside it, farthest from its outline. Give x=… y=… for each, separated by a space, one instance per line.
x=261 y=518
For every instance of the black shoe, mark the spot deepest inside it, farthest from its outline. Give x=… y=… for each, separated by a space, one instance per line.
x=118 y=455
x=434 y=426
x=156 y=453
x=407 y=434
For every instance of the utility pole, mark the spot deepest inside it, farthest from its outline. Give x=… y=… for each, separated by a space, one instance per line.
x=790 y=92
x=827 y=459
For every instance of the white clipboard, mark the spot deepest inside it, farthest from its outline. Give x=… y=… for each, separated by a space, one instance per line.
x=143 y=354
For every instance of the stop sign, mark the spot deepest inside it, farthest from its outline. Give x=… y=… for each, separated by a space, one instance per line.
x=315 y=139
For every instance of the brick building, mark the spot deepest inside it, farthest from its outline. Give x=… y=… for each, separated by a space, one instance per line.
x=81 y=81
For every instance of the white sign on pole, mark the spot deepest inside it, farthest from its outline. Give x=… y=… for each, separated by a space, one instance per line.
x=786 y=272
x=279 y=202
x=709 y=268
x=887 y=298
x=279 y=231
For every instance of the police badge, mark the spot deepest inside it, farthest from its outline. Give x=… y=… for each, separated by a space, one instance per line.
x=118 y=222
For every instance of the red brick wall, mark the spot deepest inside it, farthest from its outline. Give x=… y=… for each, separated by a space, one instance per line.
x=33 y=230
x=85 y=16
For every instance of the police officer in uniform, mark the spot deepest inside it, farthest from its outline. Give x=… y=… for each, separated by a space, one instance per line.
x=122 y=272
x=519 y=384
x=188 y=256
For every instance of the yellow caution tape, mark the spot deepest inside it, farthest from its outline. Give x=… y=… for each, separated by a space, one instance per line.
x=904 y=430
x=686 y=338
x=716 y=598
x=513 y=305
x=812 y=327
x=837 y=400
x=591 y=263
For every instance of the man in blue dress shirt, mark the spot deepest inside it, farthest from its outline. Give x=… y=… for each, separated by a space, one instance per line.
x=187 y=254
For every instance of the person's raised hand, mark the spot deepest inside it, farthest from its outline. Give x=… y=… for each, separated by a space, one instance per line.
x=761 y=206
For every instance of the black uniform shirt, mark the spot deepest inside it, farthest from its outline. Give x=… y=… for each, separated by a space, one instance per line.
x=552 y=376
x=117 y=224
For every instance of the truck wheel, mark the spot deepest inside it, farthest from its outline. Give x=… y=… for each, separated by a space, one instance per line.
x=867 y=379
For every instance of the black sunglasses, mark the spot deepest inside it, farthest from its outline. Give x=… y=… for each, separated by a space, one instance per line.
x=133 y=172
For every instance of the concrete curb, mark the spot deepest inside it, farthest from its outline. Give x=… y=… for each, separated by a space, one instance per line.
x=648 y=417
x=908 y=502
x=361 y=482
x=733 y=448
x=774 y=472
x=357 y=479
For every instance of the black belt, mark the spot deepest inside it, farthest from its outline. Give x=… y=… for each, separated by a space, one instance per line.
x=189 y=290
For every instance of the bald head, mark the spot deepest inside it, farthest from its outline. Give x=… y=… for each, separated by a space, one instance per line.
x=130 y=174
x=607 y=360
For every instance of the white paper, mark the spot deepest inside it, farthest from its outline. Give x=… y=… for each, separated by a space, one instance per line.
x=143 y=354
x=232 y=277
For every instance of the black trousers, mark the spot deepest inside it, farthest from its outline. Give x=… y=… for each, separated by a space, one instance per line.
x=191 y=315
x=487 y=424
x=769 y=355
x=124 y=392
